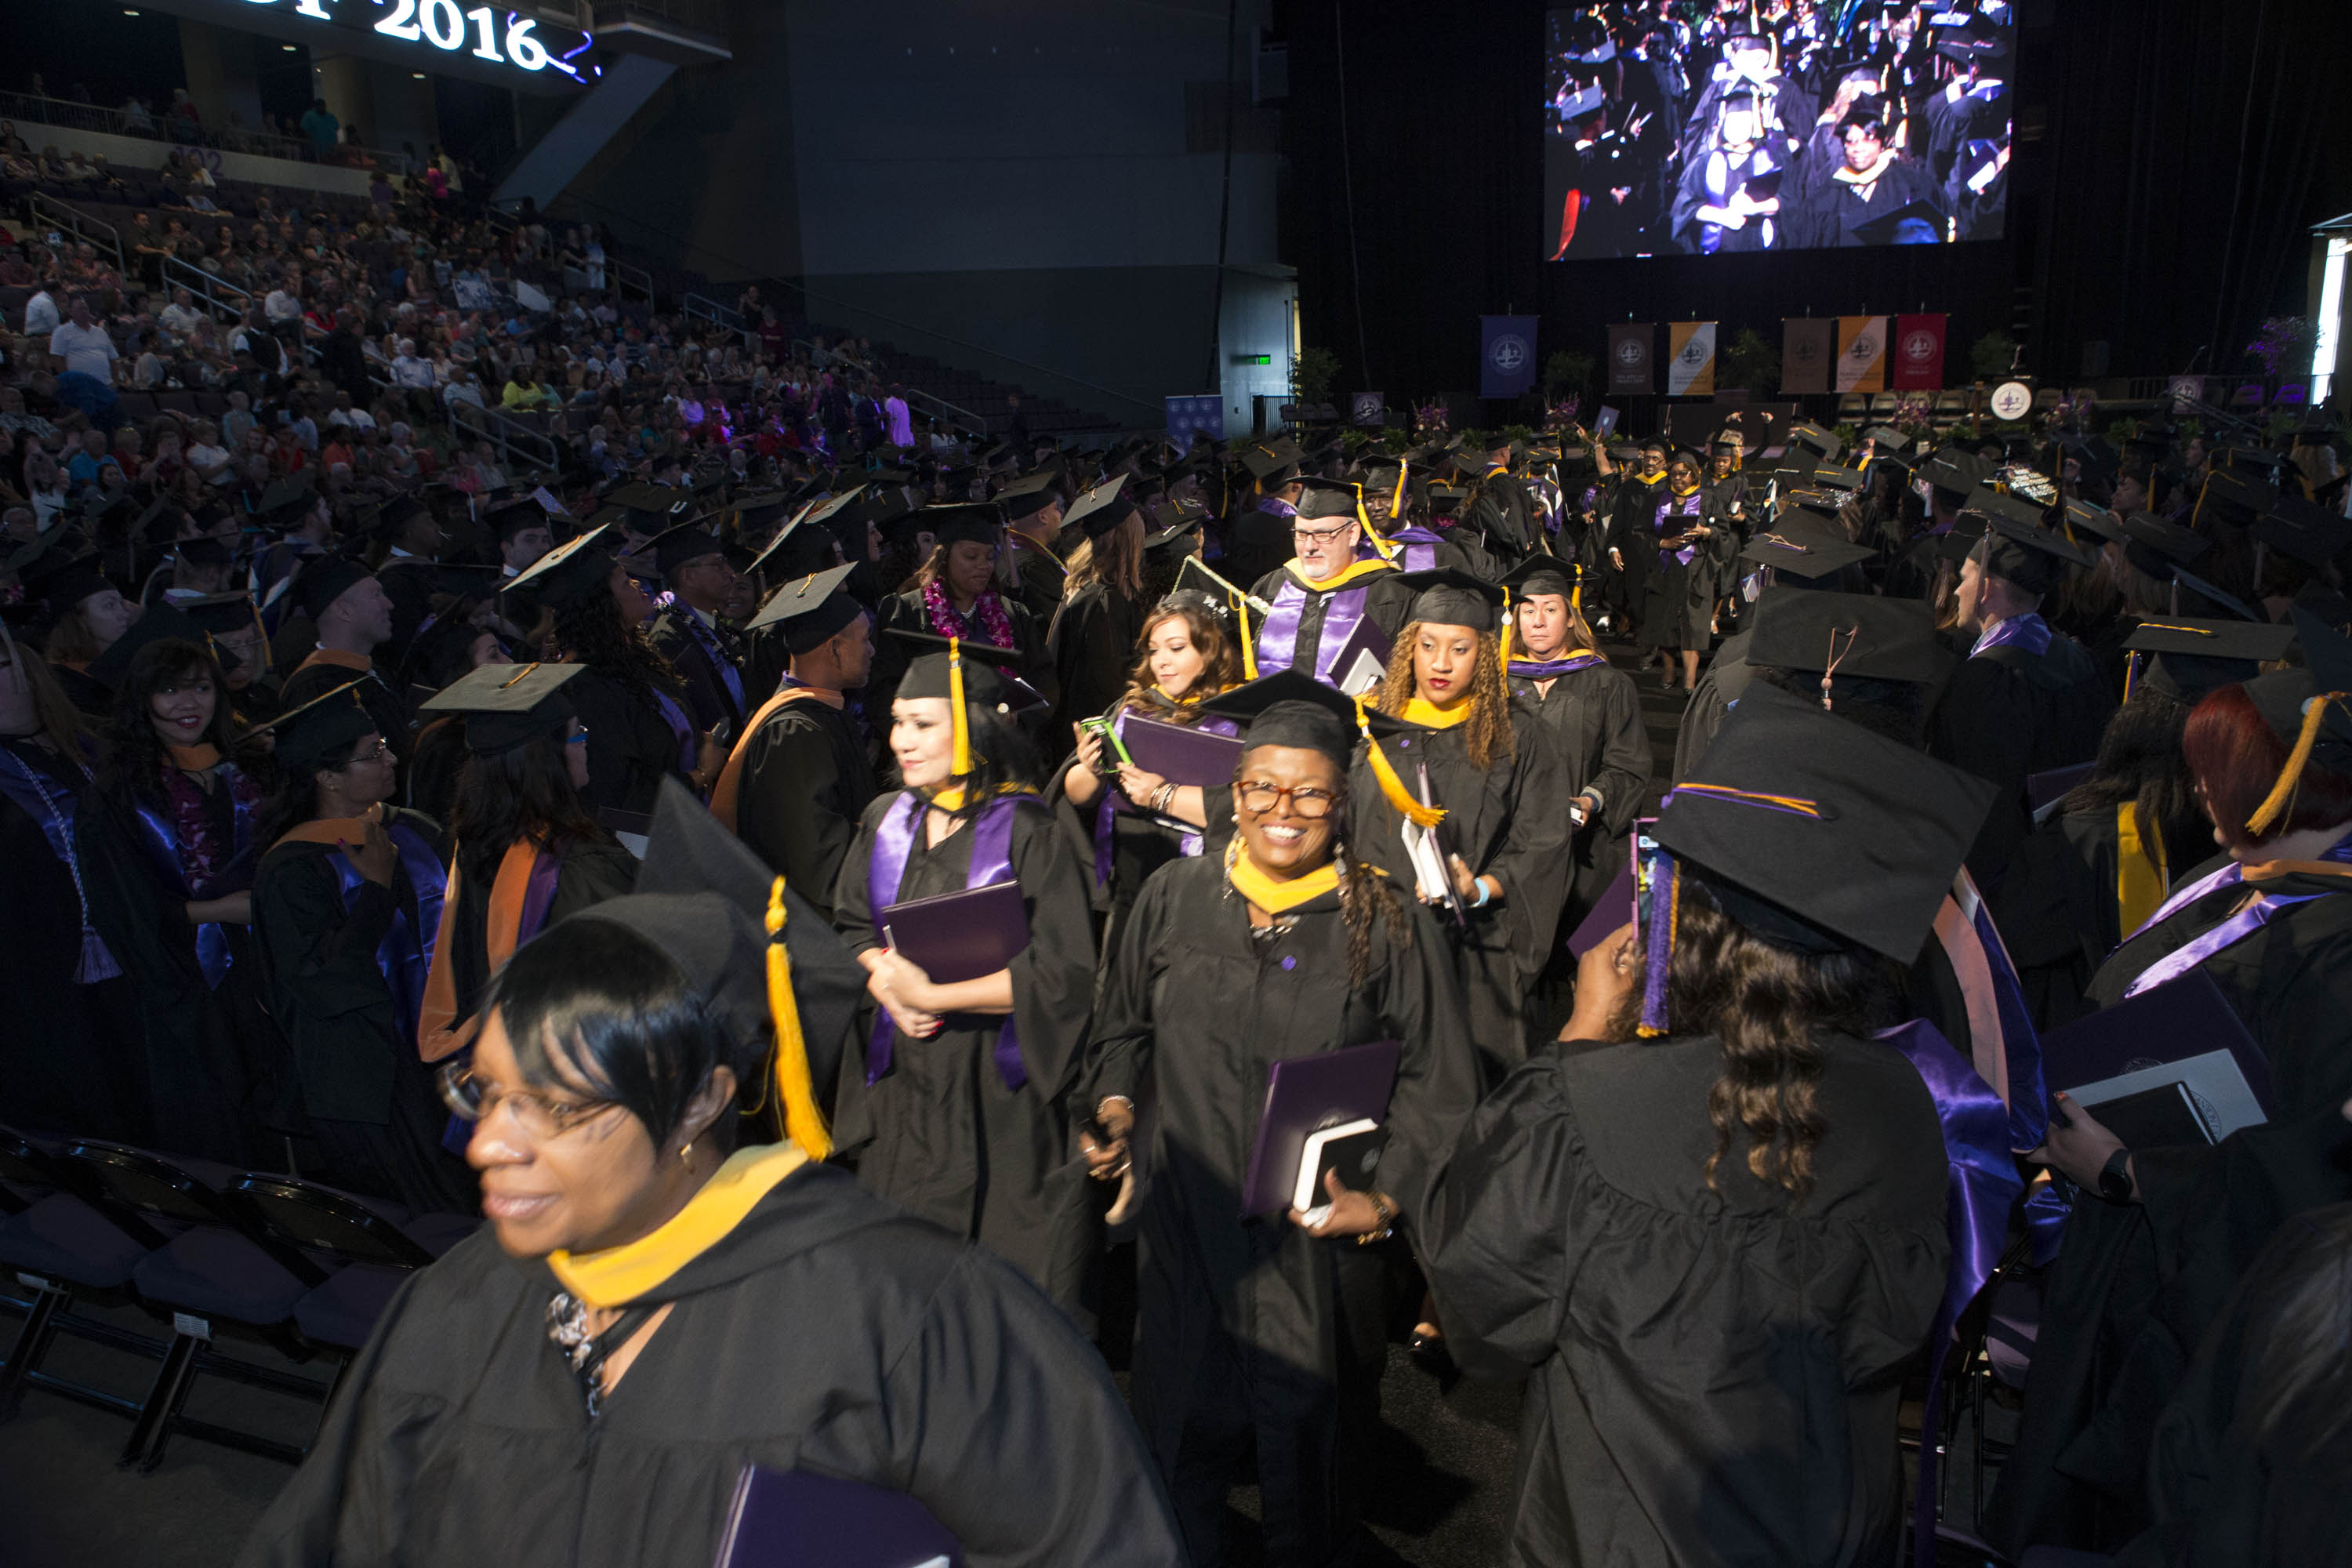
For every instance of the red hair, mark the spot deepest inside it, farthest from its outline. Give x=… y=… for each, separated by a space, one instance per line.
x=2235 y=757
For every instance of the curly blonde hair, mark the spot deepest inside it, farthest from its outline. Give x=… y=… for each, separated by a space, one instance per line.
x=1488 y=729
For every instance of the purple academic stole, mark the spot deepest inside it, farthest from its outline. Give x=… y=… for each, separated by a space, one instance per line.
x=1278 y=636
x=1114 y=802
x=213 y=955
x=707 y=640
x=689 y=744
x=1552 y=668
x=2229 y=932
x=2028 y=631
x=405 y=956
x=991 y=862
x=23 y=783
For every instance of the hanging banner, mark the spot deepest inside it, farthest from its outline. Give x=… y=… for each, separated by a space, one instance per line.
x=1192 y=416
x=1807 y=346
x=1506 y=355
x=1690 y=358
x=1630 y=352
x=1918 y=353
x=1862 y=354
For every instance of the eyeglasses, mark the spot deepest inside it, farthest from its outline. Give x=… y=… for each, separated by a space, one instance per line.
x=475 y=1098
x=374 y=753
x=1259 y=798
x=579 y=740
x=1321 y=535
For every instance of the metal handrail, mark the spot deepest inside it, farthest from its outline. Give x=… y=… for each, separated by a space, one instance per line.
x=72 y=116
x=76 y=222
x=723 y=316
x=494 y=426
x=205 y=285
x=628 y=275
x=963 y=419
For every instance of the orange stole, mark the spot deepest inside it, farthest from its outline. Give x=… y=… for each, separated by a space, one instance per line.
x=731 y=777
x=437 y=1032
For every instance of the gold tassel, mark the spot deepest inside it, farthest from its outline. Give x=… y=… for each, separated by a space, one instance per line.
x=1412 y=810
x=961 y=765
x=2281 y=800
x=1249 y=643
x=1396 y=502
x=1502 y=663
x=795 y=1094
x=1576 y=591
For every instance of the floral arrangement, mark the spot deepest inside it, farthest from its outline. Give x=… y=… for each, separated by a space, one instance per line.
x=1431 y=418
x=1561 y=415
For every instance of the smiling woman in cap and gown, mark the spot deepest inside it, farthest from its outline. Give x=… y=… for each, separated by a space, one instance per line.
x=2159 y=1235
x=652 y=1309
x=954 y=595
x=956 y=1108
x=346 y=906
x=1712 y=1226
x=1456 y=757
x=1284 y=946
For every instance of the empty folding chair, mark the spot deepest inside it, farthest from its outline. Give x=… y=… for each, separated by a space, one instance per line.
x=58 y=1245
x=221 y=1271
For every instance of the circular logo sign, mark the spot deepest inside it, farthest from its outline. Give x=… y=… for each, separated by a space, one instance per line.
x=1694 y=354
x=1863 y=347
x=2011 y=399
x=1509 y=352
x=1919 y=347
x=1630 y=352
x=1807 y=351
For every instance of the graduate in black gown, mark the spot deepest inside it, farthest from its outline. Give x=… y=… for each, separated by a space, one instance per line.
x=86 y=612
x=955 y=595
x=1462 y=756
x=1592 y=715
x=705 y=655
x=2159 y=1235
x=524 y=850
x=346 y=904
x=1711 y=1223
x=70 y=1063
x=166 y=847
x=1284 y=946
x=1137 y=821
x=628 y=698
x=352 y=619
x=798 y=783
x=959 y=1110
x=1092 y=637
x=1323 y=595
x=652 y=1309
x=2029 y=699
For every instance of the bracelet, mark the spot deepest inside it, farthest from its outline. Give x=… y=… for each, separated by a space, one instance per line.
x=1485 y=894
x=1386 y=1213
x=1162 y=796
x=1106 y=1098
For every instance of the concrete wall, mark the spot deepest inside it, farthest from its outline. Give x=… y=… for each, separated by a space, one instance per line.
x=139 y=153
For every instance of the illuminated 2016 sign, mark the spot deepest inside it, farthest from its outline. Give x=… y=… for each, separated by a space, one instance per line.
x=444 y=26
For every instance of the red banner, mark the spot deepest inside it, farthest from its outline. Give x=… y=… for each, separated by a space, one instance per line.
x=1918 y=353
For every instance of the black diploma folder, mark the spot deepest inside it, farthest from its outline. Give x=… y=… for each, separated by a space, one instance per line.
x=1305 y=1095
x=1181 y=756
x=797 y=1519
x=959 y=936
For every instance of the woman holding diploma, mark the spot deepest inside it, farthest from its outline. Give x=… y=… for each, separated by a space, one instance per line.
x=1283 y=946
x=960 y=1117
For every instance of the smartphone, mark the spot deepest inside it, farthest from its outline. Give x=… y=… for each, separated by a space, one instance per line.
x=1645 y=864
x=1110 y=733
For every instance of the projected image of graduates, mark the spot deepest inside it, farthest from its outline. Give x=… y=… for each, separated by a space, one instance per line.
x=1710 y=127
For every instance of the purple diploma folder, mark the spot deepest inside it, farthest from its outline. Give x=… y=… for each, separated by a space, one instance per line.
x=2041 y=789
x=1304 y=1095
x=959 y=936
x=794 y=1519
x=1615 y=909
x=1179 y=755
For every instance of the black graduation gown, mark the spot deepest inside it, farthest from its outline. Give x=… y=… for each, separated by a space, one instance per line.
x=2007 y=713
x=940 y=1134
x=386 y=706
x=69 y=1062
x=1252 y=1327
x=828 y=1331
x=1592 y=718
x=1092 y=644
x=1258 y=542
x=590 y=874
x=369 y=1098
x=804 y=789
x=1043 y=576
x=409 y=583
x=1711 y=703
x=2058 y=912
x=631 y=746
x=1509 y=820
x=1388 y=605
x=707 y=700
x=905 y=612
x=1717 y=1375
x=1507 y=515
x=220 y=1080
x=2225 y=1490
x=90 y=696
x=2135 y=1286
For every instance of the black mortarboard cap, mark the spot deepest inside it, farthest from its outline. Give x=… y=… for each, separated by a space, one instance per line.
x=2284 y=697
x=701 y=900
x=1993 y=503
x=155 y=624
x=1867 y=858
x=1825 y=442
x=1289 y=708
x=1857 y=635
x=2188 y=657
x=1270 y=460
x=812 y=609
x=569 y=573
x=2158 y=547
x=1102 y=508
x=1803 y=550
x=958 y=522
x=676 y=548
x=393 y=515
x=1956 y=470
x=321 y=580
x=321 y=733
x=1330 y=497
x=2236 y=495
x=2083 y=517
x=2221 y=600
x=218 y=613
x=1542 y=575
x=65 y=581
x=1449 y=596
x=2303 y=529
x=203 y=550
x=987 y=672
x=508 y=705
x=2032 y=557
x=509 y=521
x=1030 y=494
x=1835 y=478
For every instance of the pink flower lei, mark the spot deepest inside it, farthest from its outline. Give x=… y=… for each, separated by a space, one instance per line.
x=944 y=621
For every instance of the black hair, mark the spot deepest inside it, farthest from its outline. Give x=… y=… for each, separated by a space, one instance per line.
x=134 y=753
x=293 y=797
x=1001 y=755
x=525 y=791
x=592 y=1005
